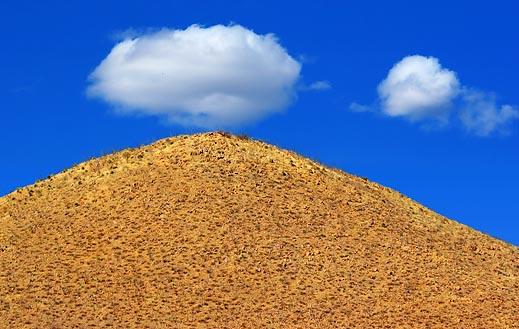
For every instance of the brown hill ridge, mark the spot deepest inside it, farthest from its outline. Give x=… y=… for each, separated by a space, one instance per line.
x=216 y=231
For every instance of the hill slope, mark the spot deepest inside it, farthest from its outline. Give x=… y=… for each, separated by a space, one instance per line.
x=212 y=230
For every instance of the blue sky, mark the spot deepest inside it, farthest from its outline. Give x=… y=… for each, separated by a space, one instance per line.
x=418 y=96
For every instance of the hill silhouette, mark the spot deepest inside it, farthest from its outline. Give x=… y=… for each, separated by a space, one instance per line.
x=212 y=230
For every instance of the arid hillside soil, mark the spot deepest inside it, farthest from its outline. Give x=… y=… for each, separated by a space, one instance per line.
x=216 y=231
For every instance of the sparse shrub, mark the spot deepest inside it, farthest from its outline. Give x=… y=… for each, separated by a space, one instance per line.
x=244 y=136
x=225 y=134
x=126 y=155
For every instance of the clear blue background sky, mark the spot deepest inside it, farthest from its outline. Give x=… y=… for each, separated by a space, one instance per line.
x=51 y=47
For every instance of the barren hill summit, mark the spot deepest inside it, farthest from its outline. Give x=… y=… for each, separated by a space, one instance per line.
x=216 y=231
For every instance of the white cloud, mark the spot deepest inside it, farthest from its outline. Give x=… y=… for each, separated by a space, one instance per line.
x=418 y=88
x=356 y=107
x=320 y=85
x=481 y=115
x=208 y=77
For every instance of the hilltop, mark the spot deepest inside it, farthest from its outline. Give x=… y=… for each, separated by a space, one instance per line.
x=212 y=230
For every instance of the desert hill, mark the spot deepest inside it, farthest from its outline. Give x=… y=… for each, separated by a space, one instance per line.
x=216 y=231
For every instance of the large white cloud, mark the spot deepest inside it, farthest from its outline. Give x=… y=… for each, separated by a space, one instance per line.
x=209 y=77
x=418 y=87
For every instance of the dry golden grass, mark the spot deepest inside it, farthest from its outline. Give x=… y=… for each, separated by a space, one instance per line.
x=216 y=231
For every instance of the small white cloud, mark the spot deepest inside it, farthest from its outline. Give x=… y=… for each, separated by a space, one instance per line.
x=481 y=115
x=319 y=85
x=208 y=77
x=418 y=88
x=356 y=107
